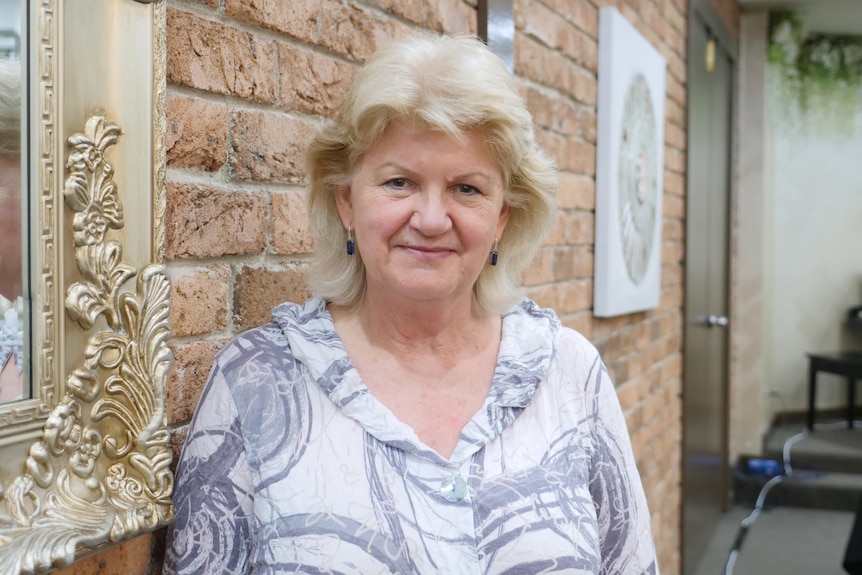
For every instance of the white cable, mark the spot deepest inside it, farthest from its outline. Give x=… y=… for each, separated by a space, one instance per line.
x=788 y=470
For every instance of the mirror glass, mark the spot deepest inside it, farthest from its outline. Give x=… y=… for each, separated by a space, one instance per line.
x=13 y=157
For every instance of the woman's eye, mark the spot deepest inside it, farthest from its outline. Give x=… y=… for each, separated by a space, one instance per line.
x=467 y=189
x=397 y=183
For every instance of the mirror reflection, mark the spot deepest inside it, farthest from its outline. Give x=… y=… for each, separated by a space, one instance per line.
x=12 y=305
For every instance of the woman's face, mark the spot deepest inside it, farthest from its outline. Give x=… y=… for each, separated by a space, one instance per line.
x=425 y=210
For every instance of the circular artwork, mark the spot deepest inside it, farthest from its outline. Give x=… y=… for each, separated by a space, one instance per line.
x=638 y=179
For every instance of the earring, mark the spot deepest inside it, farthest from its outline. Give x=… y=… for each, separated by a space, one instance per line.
x=494 y=253
x=351 y=245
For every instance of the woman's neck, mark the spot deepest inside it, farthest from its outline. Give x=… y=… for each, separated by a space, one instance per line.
x=447 y=331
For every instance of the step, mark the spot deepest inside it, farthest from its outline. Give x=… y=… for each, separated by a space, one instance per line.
x=829 y=447
x=806 y=489
x=825 y=468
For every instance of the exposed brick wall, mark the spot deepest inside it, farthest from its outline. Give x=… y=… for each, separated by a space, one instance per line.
x=248 y=82
x=556 y=57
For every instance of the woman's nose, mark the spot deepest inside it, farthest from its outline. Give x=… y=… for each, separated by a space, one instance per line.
x=431 y=216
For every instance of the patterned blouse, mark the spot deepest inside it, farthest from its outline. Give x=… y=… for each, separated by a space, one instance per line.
x=292 y=466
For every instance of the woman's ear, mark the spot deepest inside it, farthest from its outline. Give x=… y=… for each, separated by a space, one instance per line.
x=344 y=205
x=505 y=212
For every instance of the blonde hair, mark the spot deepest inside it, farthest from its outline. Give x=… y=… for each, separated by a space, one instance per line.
x=10 y=106
x=449 y=84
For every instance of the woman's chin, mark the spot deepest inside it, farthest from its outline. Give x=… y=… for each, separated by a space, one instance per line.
x=421 y=292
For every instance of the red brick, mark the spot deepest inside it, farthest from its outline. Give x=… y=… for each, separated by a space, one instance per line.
x=581 y=322
x=580 y=228
x=207 y=222
x=187 y=377
x=676 y=66
x=176 y=442
x=557 y=233
x=130 y=557
x=196 y=134
x=539 y=104
x=577 y=295
x=630 y=394
x=564 y=263
x=545 y=295
x=258 y=290
x=587 y=124
x=312 y=83
x=672 y=253
x=675 y=90
x=452 y=17
x=586 y=260
x=570 y=154
x=581 y=13
x=269 y=146
x=671 y=297
x=352 y=30
x=576 y=191
x=671 y=275
x=539 y=271
x=550 y=28
x=298 y=19
x=412 y=10
x=673 y=206
x=220 y=59
x=199 y=300
x=674 y=183
x=676 y=41
x=675 y=112
x=554 y=70
x=674 y=160
x=290 y=233
x=674 y=136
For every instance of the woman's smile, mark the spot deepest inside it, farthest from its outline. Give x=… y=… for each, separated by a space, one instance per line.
x=427 y=252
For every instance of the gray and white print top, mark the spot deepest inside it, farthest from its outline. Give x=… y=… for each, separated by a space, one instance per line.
x=292 y=466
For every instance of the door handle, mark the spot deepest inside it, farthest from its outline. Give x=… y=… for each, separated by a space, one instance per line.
x=713 y=320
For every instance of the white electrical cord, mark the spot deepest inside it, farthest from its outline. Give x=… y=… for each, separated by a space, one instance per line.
x=764 y=491
x=746 y=523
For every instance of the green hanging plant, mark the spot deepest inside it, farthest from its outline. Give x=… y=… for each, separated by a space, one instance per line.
x=817 y=76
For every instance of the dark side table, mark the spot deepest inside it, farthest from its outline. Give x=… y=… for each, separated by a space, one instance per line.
x=846 y=363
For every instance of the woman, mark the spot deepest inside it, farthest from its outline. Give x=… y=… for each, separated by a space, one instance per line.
x=415 y=416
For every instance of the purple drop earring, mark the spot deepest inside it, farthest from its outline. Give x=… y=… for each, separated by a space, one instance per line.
x=494 y=253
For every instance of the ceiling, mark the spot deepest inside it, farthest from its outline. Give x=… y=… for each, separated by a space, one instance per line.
x=825 y=16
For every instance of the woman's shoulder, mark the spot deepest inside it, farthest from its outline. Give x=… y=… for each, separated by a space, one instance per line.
x=270 y=340
x=532 y=320
x=298 y=334
x=572 y=360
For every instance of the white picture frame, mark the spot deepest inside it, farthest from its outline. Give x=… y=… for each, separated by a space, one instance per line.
x=629 y=169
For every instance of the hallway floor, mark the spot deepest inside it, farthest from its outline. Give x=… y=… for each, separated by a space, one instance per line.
x=806 y=522
x=781 y=541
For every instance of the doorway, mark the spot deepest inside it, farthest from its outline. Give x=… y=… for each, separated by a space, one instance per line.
x=706 y=473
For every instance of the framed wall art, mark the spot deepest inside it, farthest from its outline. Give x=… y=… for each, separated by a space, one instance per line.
x=630 y=164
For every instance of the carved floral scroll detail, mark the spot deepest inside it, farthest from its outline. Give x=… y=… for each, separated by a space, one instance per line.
x=101 y=470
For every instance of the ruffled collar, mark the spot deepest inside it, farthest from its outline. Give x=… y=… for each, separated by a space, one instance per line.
x=526 y=348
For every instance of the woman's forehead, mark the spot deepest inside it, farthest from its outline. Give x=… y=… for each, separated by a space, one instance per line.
x=400 y=142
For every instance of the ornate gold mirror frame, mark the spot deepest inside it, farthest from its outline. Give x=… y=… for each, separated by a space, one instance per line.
x=85 y=462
